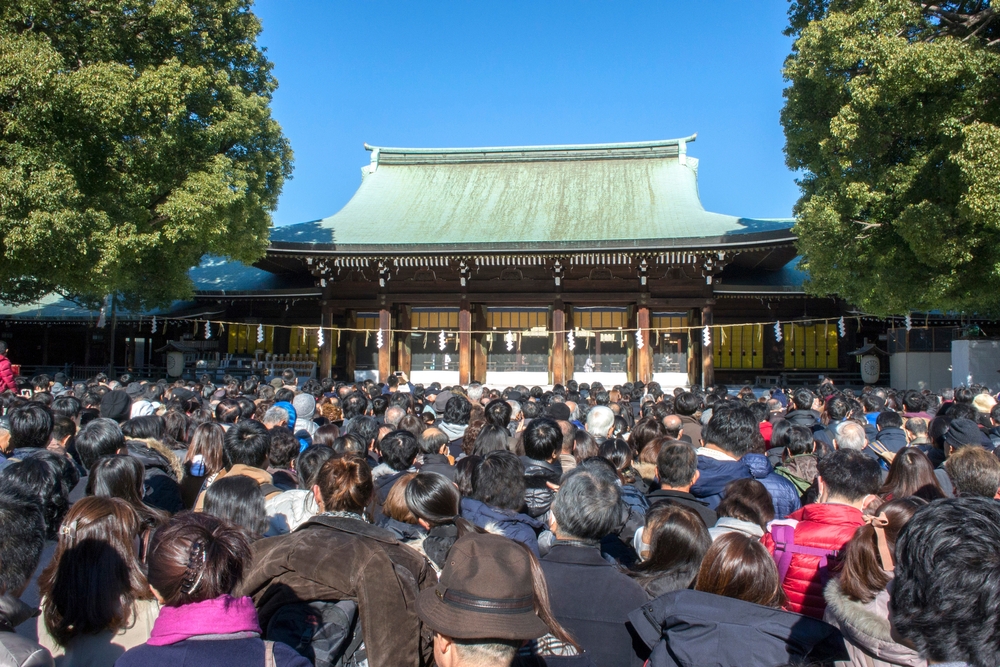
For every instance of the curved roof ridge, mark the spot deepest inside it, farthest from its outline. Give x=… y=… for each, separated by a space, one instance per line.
x=628 y=145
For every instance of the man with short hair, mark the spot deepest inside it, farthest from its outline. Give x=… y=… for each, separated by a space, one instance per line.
x=274 y=417
x=566 y=459
x=805 y=542
x=945 y=599
x=433 y=445
x=727 y=437
x=542 y=445
x=22 y=539
x=399 y=451
x=890 y=431
x=244 y=453
x=686 y=405
x=677 y=470
x=851 y=436
x=600 y=422
x=497 y=497
x=98 y=438
x=590 y=597
x=974 y=472
x=30 y=428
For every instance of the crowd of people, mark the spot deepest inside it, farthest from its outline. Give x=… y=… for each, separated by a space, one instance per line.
x=293 y=523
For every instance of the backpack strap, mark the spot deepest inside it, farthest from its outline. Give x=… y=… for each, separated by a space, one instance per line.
x=785 y=548
x=269 y=654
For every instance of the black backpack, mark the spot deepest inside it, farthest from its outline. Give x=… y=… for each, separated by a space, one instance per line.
x=328 y=634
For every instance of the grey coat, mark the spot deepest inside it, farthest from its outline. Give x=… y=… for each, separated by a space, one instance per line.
x=866 y=630
x=15 y=650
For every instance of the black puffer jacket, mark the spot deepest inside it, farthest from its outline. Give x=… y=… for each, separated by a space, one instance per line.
x=161 y=481
x=538 y=496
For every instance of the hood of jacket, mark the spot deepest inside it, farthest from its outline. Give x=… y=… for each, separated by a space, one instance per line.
x=866 y=625
x=802 y=466
x=482 y=514
x=715 y=474
x=288 y=510
x=802 y=418
x=404 y=532
x=453 y=431
x=758 y=464
x=695 y=624
x=154 y=453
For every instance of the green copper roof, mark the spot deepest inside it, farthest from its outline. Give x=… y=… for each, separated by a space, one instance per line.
x=540 y=196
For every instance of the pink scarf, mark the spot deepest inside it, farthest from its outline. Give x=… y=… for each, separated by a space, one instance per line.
x=224 y=615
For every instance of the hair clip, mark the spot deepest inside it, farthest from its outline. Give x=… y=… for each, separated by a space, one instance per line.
x=68 y=530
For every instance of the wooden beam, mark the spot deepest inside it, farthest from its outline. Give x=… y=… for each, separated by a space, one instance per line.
x=479 y=353
x=464 y=345
x=329 y=340
x=644 y=357
x=707 y=351
x=385 y=352
x=558 y=370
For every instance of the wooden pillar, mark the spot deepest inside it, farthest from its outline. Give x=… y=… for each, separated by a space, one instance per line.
x=464 y=345
x=404 y=355
x=479 y=356
x=644 y=357
x=385 y=352
x=707 y=351
x=557 y=374
x=351 y=356
x=325 y=369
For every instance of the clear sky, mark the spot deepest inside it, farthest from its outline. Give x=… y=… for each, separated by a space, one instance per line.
x=484 y=73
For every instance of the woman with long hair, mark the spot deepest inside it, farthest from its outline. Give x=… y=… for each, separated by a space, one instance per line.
x=202 y=462
x=858 y=600
x=121 y=476
x=239 y=501
x=196 y=563
x=911 y=474
x=671 y=546
x=634 y=489
x=96 y=602
x=436 y=503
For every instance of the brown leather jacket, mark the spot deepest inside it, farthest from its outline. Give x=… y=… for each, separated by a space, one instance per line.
x=337 y=558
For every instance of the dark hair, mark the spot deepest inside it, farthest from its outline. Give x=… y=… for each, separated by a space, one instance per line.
x=736 y=431
x=645 y=431
x=498 y=481
x=246 y=442
x=399 y=449
x=30 y=426
x=63 y=427
x=457 y=410
x=889 y=419
x=465 y=470
x=747 y=500
x=345 y=484
x=284 y=447
x=912 y=474
x=498 y=413
x=542 y=439
x=974 y=472
x=584 y=446
x=149 y=427
x=94 y=579
x=366 y=428
x=326 y=435
x=739 y=566
x=354 y=405
x=38 y=479
x=490 y=438
x=798 y=440
x=850 y=474
x=66 y=406
x=175 y=427
x=228 y=411
x=100 y=437
x=588 y=507
x=676 y=464
x=433 y=498
x=240 y=501
x=678 y=540
x=197 y=557
x=686 y=404
x=121 y=476
x=946 y=594
x=836 y=408
x=802 y=399
x=309 y=463
x=207 y=442
x=431 y=440
x=349 y=443
x=619 y=454
x=22 y=538
x=863 y=575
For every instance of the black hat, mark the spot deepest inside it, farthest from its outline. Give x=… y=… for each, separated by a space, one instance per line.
x=963 y=432
x=116 y=405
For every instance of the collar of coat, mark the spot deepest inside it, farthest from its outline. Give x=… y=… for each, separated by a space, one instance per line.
x=352 y=526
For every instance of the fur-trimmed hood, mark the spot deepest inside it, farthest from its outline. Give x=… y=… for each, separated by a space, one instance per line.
x=170 y=462
x=866 y=629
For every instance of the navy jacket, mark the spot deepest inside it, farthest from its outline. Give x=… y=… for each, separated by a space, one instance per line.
x=663 y=496
x=592 y=599
x=714 y=477
x=893 y=439
x=215 y=652
x=518 y=527
x=784 y=495
x=690 y=628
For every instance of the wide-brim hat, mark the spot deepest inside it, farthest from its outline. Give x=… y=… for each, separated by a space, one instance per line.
x=485 y=592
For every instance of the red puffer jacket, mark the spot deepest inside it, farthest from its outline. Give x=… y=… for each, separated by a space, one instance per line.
x=821 y=526
x=6 y=375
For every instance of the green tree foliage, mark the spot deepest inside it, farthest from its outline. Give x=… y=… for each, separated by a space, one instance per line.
x=135 y=137
x=893 y=116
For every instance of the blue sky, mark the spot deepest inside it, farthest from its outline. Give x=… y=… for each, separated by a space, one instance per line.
x=488 y=73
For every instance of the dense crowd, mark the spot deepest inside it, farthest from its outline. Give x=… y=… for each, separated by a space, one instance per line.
x=296 y=523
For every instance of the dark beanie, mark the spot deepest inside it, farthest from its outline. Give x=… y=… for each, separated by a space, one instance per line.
x=116 y=405
x=963 y=432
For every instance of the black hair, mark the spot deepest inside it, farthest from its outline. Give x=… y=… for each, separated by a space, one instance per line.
x=399 y=449
x=30 y=426
x=798 y=440
x=498 y=481
x=686 y=404
x=63 y=427
x=850 y=474
x=588 y=506
x=247 y=407
x=309 y=462
x=457 y=410
x=22 y=538
x=284 y=447
x=491 y=438
x=366 y=428
x=676 y=464
x=803 y=398
x=735 y=430
x=240 y=501
x=759 y=410
x=889 y=419
x=100 y=437
x=498 y=413
x=465 y=468
x=284 y=395
x=433 y=498
x=248 y=443
x=946 y=592
x=39 y=480
x=228 y=411
x=836 y=408
x=66 y=406
x=349 y=443
x=149 y=427
x=354 y=405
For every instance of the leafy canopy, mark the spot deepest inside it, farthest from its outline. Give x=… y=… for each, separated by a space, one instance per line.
x=893 y=116
x=135 y=137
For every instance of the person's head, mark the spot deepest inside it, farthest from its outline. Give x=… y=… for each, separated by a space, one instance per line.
x=276 y=416
x=498 y=481
x=487 y=438
x=798 y=441
x=888 y=419
x=457 y=410
x=30 y=426
x=945 y=599
x=393 y=415
x=912 y=474
x=542 y=439
x=22 y=538
x=676 y=466
x=349 y=443
x=600 y=421
x=284 y=448
x=734 y=431
x=974 y=472
x=686 y=404
x=228 y=411
x=491 y=598
x=464 y=469
x=868 y=557
x=851 y=436
x=309 y=462
x=95 y=577
x=246 y=443
x=395 y=506
x=366 y=428
x=343 y=485
x=143 y=428
x=399 y=449
x=39 y=479
x=848 y=477
x=584 y=446
x=587 y=507
x=673 y=542
x=207 y=442
x=100 y=437
x=802 y=399
x=66 y=406
x=196 y=557
x=916 y=427
x=739 y=566
x=117 y=476
x=432 y=440
x=498 y=412
x=747 y=500
x=432 y=498
x=240 y=501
